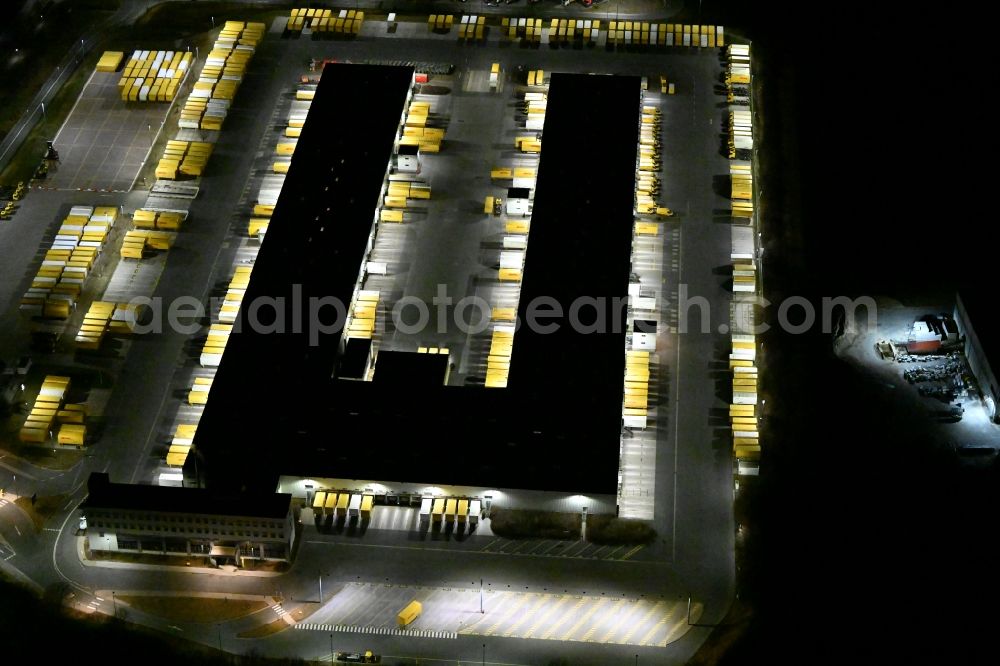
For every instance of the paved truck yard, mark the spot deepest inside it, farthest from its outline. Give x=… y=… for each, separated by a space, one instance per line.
x=103 y=143
x=676 y=472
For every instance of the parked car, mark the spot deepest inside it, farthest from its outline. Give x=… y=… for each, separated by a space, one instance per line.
x=359 y=658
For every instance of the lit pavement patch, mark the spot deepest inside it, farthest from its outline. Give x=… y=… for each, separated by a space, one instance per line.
x=371 y=609
x=568 y=617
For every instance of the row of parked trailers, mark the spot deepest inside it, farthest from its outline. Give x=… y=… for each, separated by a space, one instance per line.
x=160 y=220
x=139 y=243
x=151 y=76
x=183 y=159
x=271 y=184
x=570 y=31
x=639 y=358
x=665 y=34
x=743 y=409
x=440 y=22
x=344 y=22
x=226 y=62
x=68 y=262
x=50 y=410
x=744 y=274
x=451 y=509
x=332 y=504
x=208 y=104
x=530 y=29
x=405 y=192
x=515 y=241
x=743 y=355
x=648 y=164
x=472 y=28
x=739 y=126
x=211 y=356
x=102 y=318
x=738 y=64
x=741 y=176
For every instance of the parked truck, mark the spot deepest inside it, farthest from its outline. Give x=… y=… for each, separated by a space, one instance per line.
x=410 y=613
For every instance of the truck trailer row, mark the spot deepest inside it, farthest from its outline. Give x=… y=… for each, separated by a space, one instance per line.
x=344 y=22
x=68 y=262
x=665 y=34
x=329 y=504
x=529 y=29
x=208 y=104
x=150 y=76
x=49 y=410
x=450 y=510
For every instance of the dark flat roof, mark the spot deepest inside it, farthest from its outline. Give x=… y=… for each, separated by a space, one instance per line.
x=102 y=494
x=579 y=248
x=980 y=305
x=555 y=427
x=315 y=244
x=410 y=369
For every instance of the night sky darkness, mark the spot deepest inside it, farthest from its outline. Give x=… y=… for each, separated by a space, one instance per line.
x=868 y=545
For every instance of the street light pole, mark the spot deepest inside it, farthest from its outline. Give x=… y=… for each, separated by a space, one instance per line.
x=114 y=605
x=484 y=654
x=481 y=595
x=320 y=587
x=218 y=628
x=331 y=648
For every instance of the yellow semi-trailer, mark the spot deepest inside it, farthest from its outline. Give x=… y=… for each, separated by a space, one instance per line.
x=199 y=391
x=354 y=507
x=438 y=510
x=366 y=507
x=410 y=613
x=72 y=434
x=342 y=503
x=399 y=189
x=317 y=504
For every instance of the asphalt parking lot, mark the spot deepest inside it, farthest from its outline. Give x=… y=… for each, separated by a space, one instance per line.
x=449 y=612
x=104 y=141
x=679 y=473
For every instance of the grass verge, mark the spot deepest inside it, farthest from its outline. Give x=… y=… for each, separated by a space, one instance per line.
x=42 y=509
x=612 y=531
x=531 y=524
x=264 y=630
x=194 y=609
x=39 y=455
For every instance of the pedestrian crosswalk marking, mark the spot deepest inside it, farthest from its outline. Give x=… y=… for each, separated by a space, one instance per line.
x=384 y=631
